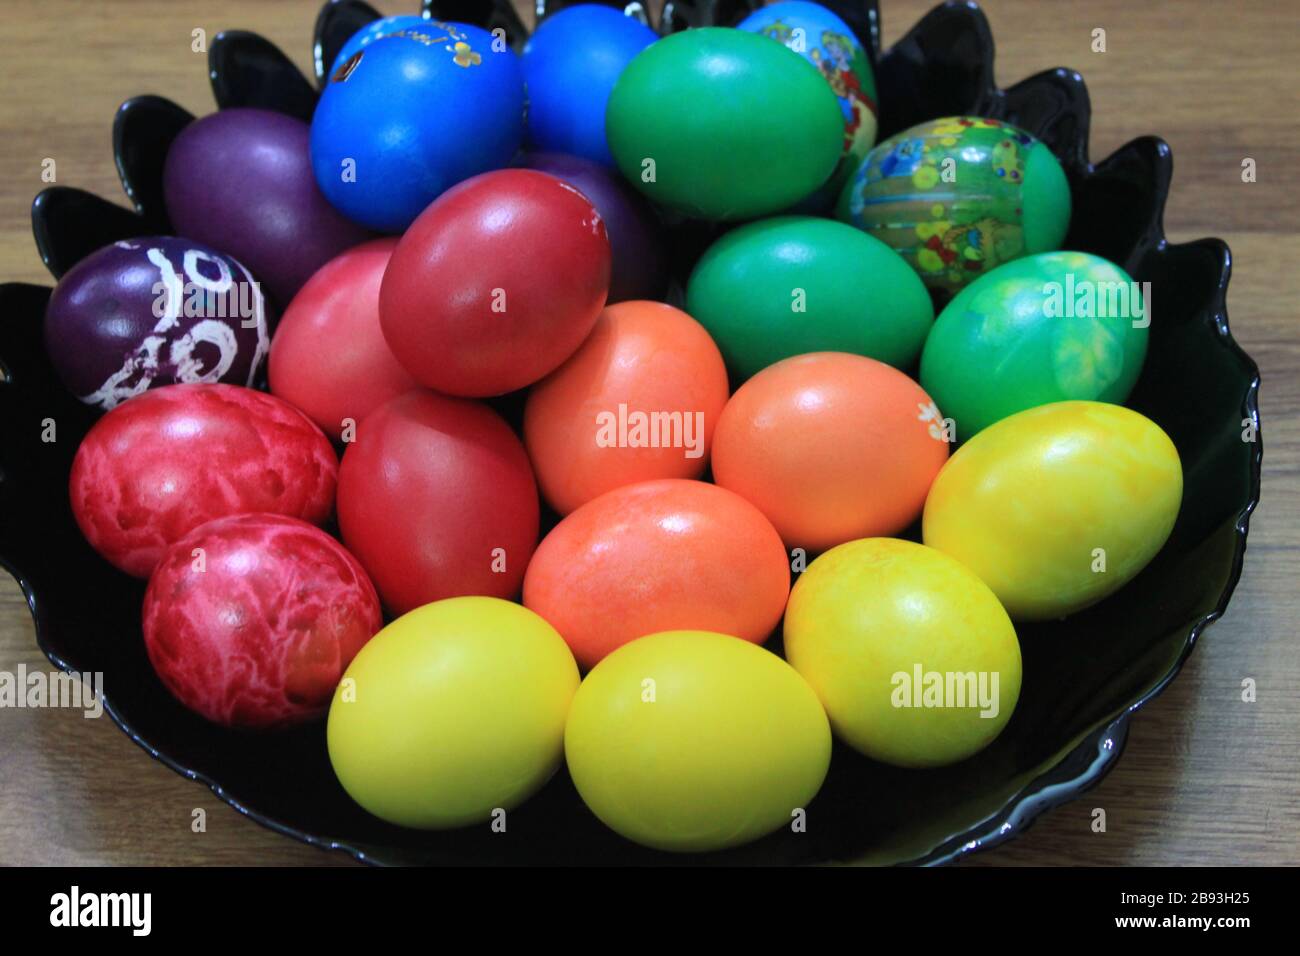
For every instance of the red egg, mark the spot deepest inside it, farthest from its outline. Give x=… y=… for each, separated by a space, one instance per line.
x=437 y=500
x=329 y=357
x=251 y=620
x=638 y=401
x=496 y=283
x=659 y=556
x=161 y=464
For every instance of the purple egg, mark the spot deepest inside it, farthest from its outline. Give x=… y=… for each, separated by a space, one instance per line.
x=640 y=267
x=240 y=180
x=154 y=311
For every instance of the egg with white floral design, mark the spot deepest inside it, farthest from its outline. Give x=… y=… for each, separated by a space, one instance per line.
x=153 y=311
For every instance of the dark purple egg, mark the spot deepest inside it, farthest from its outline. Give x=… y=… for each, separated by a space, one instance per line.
x=154 y=311
x=241 y=180
x=640 y=268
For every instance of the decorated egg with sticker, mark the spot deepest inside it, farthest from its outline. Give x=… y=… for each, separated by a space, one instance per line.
x=959 y=196
x=1045 y=328
x=829 y=44
x=143 y=313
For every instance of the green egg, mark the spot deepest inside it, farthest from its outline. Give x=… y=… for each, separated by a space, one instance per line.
x=958 y=197
x=718 y=123
x=791 y=285
x=1052 y=327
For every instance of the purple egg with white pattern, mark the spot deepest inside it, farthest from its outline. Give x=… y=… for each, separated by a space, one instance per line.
x=154 y=311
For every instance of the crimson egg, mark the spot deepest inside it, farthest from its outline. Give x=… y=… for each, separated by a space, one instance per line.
x=437 y=499
x=496 y=283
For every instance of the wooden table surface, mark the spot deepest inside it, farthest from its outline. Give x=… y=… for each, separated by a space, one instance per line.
x=1206 y=777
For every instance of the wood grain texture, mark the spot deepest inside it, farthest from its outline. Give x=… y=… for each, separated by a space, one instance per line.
x=1206 y=778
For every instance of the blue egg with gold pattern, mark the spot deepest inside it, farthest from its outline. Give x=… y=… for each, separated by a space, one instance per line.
x=372 y=32
x=411 y=114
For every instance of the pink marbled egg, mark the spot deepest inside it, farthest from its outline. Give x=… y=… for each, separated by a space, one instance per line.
x=251 y=620
x=161 y=464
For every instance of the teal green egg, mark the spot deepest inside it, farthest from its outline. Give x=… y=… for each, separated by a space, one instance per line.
x=791 y=285
x=1057 y=326
x=717 y=123
x=959 y=196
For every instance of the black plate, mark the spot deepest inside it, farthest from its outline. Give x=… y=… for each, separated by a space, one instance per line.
x=1083 y=677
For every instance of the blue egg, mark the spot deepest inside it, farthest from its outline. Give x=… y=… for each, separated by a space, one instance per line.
x=372 y=32
x=412 y=114
x=570 y=66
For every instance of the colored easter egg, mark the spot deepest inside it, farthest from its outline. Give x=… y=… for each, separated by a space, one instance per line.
x=571 y=63
x=638 y=400
x=1058 y=506
x=959 y=196
x=638 y=259
x=496 y=283
x=791 y=285
x=911 y=654
x=829 y=44
x=660 y=555
x=250 y=620
x=329 y=357
x=142 y=313
x=158 y=466
x=693 y=741
x=376 y=29
x=718 y=123
x=393 y=129
x=437 y=499
x=830 y=447
x=1046 y=328
x=452 y=713
x=240 y=181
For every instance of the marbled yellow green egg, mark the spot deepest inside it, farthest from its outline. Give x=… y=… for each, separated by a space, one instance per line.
x=1058 y=506
x=914 y=659
x=959 y=196
x=1046 y=328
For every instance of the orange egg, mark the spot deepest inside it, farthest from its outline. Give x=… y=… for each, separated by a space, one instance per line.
x=831 y=447
x=658 y=556
x=639 y=400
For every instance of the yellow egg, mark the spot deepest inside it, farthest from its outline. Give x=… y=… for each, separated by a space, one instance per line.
x=914 y=659
x=453 y=711
x=693 y=741
x=1058 y=506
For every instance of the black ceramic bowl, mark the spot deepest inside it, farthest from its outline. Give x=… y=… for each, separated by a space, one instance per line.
x=1083 y=677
